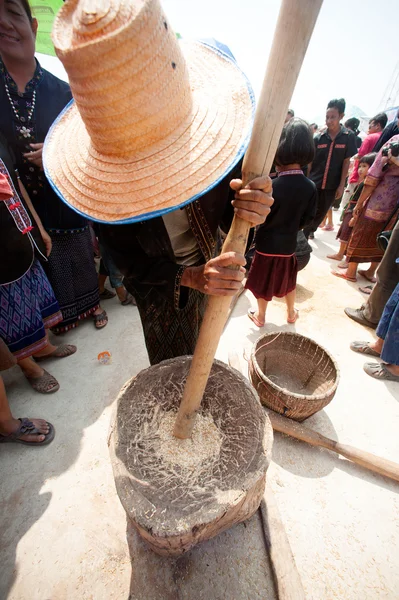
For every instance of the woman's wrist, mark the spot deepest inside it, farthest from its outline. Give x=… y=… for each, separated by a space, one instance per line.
x=190 y=277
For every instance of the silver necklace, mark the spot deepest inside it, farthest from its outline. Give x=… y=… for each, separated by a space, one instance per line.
x=30 y=113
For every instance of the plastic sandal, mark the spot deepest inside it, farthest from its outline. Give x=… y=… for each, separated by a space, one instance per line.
x=46 y=384
x=128 y=300
x=344 y=276
x=28 y=428
x=251 y=315
x=107 y=294
x=61 y=351
x=367 y=289
x=363 y=348
x=294 y=320
x=100 y=317
x=380 y=371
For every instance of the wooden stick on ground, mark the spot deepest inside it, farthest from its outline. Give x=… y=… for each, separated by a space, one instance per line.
x=293 y=31
x=286 y=576
x=379 y=465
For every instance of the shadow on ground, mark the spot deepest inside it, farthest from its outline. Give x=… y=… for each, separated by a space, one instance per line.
x=86 y=390
x=234 y=564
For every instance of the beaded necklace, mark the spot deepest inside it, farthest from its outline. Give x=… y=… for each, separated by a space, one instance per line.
x=25 y=131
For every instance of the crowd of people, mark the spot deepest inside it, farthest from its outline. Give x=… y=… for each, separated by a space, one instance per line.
x=166 y=265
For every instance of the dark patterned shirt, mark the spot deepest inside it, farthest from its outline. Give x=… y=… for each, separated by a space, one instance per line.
x=329 y=158
x=52 y=95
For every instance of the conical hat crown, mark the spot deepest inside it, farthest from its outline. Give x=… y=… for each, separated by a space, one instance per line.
x=155 y=122
x=126 y=70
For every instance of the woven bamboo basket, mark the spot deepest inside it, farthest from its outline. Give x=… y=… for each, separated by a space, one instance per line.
x=292 y=374
x=174 y=508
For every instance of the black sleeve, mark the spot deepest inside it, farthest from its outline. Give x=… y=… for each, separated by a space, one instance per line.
x=388 y=132
x=310 y=212
x=351 y=148
x=139 y=252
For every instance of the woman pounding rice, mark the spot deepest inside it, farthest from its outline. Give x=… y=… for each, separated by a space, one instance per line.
x=376 y=206
x=30 y=100
x=165 y=176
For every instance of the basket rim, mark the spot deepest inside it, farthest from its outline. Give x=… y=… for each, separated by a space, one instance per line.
x=265 y=379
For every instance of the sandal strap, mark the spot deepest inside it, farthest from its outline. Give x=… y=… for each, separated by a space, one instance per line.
x=43 y=383
x=100 y=317
x=26 y=428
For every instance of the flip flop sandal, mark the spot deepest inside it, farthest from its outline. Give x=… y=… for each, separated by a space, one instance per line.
x=251 y=315
x=379 y=371
x=28 y=428
x=294 y=320
x=366 y=289
x=128 y=300
x=363 y=348
x=61 y=351
x=107 y=294
x=100 y=317
x=364 y=274
x=343 y=265
x=46 y=384
x=344 y=276
x=328 y=228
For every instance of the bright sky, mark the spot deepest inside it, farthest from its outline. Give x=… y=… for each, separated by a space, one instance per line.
x=352 y=54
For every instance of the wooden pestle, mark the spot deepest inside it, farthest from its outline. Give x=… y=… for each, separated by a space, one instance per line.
x=293 y=31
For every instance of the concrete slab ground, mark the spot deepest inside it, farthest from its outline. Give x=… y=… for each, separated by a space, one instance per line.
x=64 y=534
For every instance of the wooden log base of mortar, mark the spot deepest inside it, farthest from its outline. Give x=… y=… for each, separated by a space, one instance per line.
x=286 y=575
x=174 y=508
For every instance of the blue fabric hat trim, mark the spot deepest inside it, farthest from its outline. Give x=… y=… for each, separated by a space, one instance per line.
x=224 y=52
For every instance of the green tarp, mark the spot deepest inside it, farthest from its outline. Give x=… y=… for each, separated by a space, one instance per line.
x=45 y=11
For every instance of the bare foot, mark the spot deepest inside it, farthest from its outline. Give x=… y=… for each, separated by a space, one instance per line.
x=7 y=427
x=30 y=368
x=377 y=345
x=335 y=256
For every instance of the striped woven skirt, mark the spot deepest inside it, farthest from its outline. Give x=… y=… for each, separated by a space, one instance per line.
x=362 y=245
x=72 y=274
x=169 y=332
x=27 y=308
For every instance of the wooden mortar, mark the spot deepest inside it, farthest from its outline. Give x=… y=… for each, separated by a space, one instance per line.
x=171 y=509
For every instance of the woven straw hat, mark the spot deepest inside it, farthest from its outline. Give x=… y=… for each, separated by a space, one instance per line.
x=155 y=121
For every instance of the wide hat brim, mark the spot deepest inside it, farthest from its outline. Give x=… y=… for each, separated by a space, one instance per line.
x=169 y=174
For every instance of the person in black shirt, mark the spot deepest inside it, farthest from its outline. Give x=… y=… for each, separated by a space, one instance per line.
x=274 y=267
x=390 y=130
x=353 y=125
x=329 y=169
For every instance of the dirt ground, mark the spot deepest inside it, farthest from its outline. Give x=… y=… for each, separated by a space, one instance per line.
x=64 y=534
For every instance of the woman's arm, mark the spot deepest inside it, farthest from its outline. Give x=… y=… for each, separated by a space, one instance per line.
x=45 y=236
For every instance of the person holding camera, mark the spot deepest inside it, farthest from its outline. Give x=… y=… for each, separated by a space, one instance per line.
x=375 y=211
